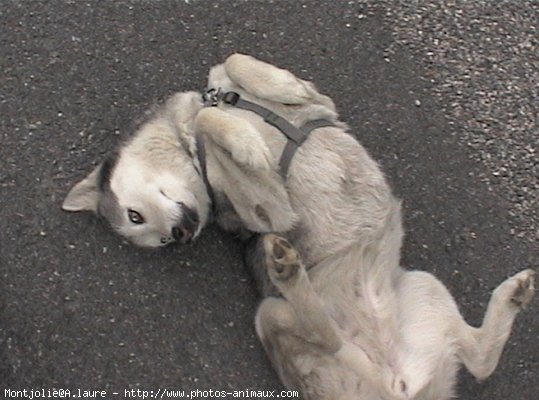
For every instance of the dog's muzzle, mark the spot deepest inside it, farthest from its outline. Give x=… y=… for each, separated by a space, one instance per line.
x=184 y=231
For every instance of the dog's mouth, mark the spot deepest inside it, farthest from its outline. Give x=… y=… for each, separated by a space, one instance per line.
x=185 y=230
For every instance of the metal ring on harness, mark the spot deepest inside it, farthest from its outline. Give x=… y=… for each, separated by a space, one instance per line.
x=231 y=98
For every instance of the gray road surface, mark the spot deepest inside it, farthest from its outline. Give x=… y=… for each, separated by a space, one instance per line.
x=79 y=308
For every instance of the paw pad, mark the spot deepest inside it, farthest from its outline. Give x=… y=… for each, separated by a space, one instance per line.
x=525 y=288
x=284 y=262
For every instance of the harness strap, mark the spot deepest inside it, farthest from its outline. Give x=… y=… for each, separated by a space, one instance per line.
x=201 y=158
x=291 y=147
x=296 y=136
x=289 y=130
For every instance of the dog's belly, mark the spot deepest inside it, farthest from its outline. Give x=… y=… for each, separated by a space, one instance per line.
x=338 y=192
x=406 y=342
x=332 y=376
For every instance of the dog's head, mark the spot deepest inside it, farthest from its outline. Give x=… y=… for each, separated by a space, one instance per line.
x=149 y=189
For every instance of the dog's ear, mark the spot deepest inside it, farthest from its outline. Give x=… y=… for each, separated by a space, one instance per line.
x=84 y=196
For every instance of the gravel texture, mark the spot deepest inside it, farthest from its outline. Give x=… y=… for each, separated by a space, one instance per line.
x=481 y=59
x=79 y=308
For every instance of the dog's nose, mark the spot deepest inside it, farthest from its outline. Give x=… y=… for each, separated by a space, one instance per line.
x=182 y=235
x=184 y=231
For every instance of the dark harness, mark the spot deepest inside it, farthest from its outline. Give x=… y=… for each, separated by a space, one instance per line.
x=295 y=136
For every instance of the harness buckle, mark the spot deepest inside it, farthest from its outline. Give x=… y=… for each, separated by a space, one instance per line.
x=211 y=97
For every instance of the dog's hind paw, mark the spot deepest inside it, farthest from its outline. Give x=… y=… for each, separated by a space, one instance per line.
x=524 y=288
x=284 y=262
x=516 y=291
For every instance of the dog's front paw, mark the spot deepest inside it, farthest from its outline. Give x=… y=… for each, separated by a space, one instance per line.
x=252 y=153
x=283 y=260
x=236 y=135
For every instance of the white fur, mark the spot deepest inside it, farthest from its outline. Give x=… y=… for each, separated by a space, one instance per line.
x=247 y=146
x=266 y=81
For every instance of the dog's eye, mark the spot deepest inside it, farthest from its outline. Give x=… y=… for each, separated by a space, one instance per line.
x=135 y=217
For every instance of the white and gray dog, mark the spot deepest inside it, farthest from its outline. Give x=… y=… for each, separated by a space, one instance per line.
x=265 y=153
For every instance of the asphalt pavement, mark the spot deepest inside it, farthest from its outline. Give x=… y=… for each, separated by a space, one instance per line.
x=82 y=309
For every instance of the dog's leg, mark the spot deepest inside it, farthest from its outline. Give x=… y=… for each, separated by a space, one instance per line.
x=228 y=219
x=236 y=135
x=301 y=317
x=269 y=82
x=433 y=333
x=480 y=348
x=266 y=81
x=288 y=274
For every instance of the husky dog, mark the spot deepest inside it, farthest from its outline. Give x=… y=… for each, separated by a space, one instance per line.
x=343 y=321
